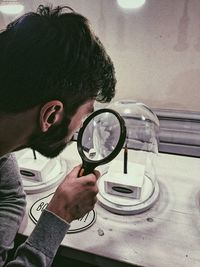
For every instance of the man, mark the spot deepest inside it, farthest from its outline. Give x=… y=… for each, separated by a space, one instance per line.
x=52 y=69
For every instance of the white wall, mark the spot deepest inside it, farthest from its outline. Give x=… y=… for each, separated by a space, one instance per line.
x=155 y=49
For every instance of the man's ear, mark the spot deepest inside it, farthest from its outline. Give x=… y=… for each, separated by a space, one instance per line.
x=50 y=114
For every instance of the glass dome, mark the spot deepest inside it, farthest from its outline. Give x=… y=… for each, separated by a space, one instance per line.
x=142 y=125
x=142 y=140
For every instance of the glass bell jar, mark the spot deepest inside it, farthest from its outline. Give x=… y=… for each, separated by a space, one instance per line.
x=130 y=185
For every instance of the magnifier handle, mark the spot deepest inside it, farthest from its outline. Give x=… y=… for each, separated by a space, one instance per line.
x=85 y=170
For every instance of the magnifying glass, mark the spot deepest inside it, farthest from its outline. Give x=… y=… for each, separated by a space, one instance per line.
x=100 y=139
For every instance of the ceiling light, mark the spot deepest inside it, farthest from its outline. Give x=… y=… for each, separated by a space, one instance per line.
x=130 y=4
x=11 y=7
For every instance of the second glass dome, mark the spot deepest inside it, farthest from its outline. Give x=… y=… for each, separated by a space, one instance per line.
x=142 y=140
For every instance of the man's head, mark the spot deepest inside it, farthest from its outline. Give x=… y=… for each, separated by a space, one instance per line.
x=52 y=60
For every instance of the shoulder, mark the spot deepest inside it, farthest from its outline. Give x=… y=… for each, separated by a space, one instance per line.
x=9 y=170
x=4 y=159
x=8 y=160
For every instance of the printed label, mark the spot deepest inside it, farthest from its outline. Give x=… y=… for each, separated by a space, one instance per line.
x=76 y=226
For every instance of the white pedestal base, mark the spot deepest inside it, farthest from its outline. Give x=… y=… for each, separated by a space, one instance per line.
x=128 y=206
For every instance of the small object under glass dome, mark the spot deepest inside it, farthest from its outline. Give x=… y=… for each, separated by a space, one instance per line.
x=38 y=172
x=130 y=185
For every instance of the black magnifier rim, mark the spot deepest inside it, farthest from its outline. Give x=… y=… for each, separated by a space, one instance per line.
x=119 y=145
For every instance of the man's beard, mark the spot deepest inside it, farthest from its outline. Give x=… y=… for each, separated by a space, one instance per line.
x=51 y=143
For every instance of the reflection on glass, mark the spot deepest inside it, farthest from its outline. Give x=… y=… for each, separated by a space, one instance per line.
x=101 y=136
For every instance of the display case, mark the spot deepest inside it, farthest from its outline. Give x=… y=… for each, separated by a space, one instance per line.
x=130 y=186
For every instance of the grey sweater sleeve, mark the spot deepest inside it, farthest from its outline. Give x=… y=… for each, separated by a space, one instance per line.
x=41 y=246
x=12 y=204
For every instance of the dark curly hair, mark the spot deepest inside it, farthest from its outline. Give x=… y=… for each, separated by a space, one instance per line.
x=53 y=54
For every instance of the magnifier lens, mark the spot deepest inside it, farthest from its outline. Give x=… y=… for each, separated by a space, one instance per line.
x=100 y=139
x=101 y=136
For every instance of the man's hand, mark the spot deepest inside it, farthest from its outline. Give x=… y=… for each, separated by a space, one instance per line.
x=75 y=196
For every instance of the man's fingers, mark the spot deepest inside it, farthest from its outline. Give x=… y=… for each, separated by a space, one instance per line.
x=75 y=171
x=97 y=174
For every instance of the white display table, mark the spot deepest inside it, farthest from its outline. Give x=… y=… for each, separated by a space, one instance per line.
x=166 y=235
